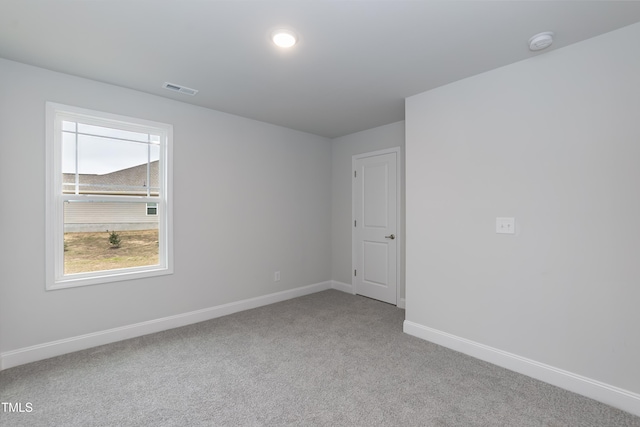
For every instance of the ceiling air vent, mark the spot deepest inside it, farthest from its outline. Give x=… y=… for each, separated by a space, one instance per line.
x=178 y=88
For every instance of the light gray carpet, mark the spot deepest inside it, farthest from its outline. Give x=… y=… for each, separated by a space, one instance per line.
x=328 y=359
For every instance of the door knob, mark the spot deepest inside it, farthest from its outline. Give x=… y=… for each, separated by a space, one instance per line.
x=392 y=236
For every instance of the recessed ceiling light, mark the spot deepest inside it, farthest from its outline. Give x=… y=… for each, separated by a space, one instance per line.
x=284 y=38
x=541 y=41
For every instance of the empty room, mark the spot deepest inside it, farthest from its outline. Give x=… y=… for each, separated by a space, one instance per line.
x=332 y=213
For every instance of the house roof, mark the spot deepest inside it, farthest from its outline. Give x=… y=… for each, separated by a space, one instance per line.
x=129 y=181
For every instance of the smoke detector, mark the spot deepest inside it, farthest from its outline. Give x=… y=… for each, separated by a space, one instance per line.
x=541 y=41
x=178 y=88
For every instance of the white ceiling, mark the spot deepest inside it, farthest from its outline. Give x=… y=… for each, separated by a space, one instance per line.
x=354 y=65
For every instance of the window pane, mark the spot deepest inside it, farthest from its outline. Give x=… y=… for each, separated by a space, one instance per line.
x=109 y=166
x=88 y=246
x=102 y=155
x=68 y=162
x=69 y=126
x=68 y=152
x=154 y=177
x=113 y=133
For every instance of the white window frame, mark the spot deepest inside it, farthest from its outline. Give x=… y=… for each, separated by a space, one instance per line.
x=55 y=199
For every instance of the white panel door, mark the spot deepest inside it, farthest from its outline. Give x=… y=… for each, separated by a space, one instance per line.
x=375 y=237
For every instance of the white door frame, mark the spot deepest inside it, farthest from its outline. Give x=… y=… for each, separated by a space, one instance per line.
x=354 y=254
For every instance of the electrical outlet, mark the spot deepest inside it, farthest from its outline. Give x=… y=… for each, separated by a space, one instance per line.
x=276 y=276
x=505 y=225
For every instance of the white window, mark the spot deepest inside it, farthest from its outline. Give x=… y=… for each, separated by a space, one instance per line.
x=108 y=197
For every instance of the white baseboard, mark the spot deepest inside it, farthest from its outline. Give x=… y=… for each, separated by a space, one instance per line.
x=81 y=342
x=605 y=393
x=341 y=286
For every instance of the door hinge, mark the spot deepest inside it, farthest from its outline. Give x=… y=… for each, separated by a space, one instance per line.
x=355 y=174
x=355 y=272
x=354 y=223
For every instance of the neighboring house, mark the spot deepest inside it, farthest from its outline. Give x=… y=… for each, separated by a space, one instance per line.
x=133 y=181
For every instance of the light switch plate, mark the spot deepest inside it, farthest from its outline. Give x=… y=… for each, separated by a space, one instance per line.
x=505 y=225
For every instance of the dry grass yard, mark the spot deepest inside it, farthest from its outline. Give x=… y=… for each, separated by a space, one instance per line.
x=92 y=252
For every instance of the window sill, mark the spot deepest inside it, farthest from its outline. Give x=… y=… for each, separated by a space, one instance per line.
x=101 y=277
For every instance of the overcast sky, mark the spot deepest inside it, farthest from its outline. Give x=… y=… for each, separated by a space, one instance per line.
x=102 y=153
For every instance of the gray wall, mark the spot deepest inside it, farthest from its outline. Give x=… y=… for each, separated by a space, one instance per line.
x=554 y=142
x=250 y=198
x=342 y=150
